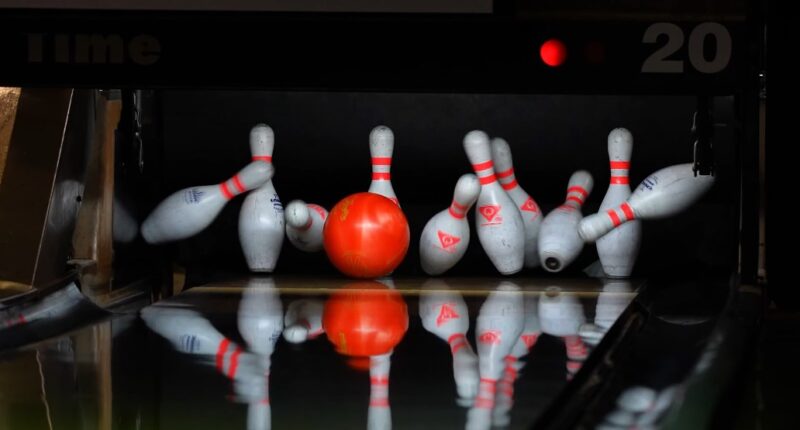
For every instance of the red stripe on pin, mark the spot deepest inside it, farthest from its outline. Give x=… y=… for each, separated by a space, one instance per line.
x=619 y=180
x=459 y=205
x=626 y=208
x=221 y=349
x=576 y=199
x=579 y=190
x=238 y=184
x=234 y=362
x=225 y=191
x=511 y=185
x=483 y=166
x=487 y=179
x=456 y=215
x=379 y=380
x=382 y=402
x=505 y=173
x=267 y=158
x=620 y=164
x=381 y=161
x=612 y=214
x=381 y=176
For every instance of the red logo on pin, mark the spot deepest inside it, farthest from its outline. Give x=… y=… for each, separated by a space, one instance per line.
x=448 y=241
x=490 y=337
x=446 y=314
x=491 y=213
x=529 y=205
x=529 y=339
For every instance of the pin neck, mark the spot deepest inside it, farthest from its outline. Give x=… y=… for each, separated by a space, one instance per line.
x=381 y=166
x=457 y=210
x=232 y=187
x=576 y=195
x=619 y=172
x=264 y=158
x=507 y=179
x=485 y=172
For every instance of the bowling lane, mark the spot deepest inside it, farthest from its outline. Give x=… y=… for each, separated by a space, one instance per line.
x=252 y=353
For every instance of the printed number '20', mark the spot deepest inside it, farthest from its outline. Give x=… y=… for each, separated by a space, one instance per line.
x=657 y=62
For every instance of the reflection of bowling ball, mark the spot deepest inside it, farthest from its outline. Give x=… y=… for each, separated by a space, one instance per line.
x=365 y=318
x=366 y=235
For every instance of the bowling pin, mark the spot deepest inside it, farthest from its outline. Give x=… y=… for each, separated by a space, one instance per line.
x=189 y=211
x=49 y=307
x=379 y=413
x=498 y=222
x=665 y=193
x=261 y=222
x=559 y=244
x=304 y=224
x=381 y=146
x=445 y=237
x=303 y=320
x=498 y=327
x=619 y=248
x=562 y=315
x=528 y=209
x=445 y=314
x=504 y=399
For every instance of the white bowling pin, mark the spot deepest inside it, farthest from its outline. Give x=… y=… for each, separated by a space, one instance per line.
x=498 y=327
x=381 y=146
x=662 y=194
x=499 y=224
x=261 y=221
x=49 y=307
x=304 y=224
x=303 y=320
x=559 y=244
x=562 y=315
x=619 y=248
x=445 y=237
x=189 y=211
x=445 y=314
x=260 y=316
x=379 y=414
x=504 y=400
x=528 y=209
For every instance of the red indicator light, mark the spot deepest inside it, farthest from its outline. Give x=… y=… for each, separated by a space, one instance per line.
x=553 y=52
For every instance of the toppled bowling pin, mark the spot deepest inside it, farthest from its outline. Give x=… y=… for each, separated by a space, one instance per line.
x=619 y=248
x=304 y=223
x=445 y=237
x=445 y=314
x=303 y=320
x=381 y=146
x=528 y=209
x=498 y=222
x=559 y=243
x=665 y=193
x=261 y=221
x=189 y=211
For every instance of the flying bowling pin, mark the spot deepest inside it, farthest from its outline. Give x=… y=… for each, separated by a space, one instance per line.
x=619 y=248
x=261 y=221
x=499 y=223
x=381 y=146
x=445 y=314
x=559 y=243
x=663 y=194
x=528 y=209
x=304 y=224
x=445 y=237
x=303 y=320
x=189 y=211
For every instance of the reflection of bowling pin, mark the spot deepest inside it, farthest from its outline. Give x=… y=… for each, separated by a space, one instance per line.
x=611 y=302
x=445 y=237
x=531 y=215
x=445 y=314
x=304 y=224
x=499 y=224
x=381 y=146
x=379 y=414
x=189 y=211
x=261 y=217
x=661 y=195
x=51 y=306
x=504 y=400
x=303 y=320
x=562 y=315
x=618 y=249
x=559 y=244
